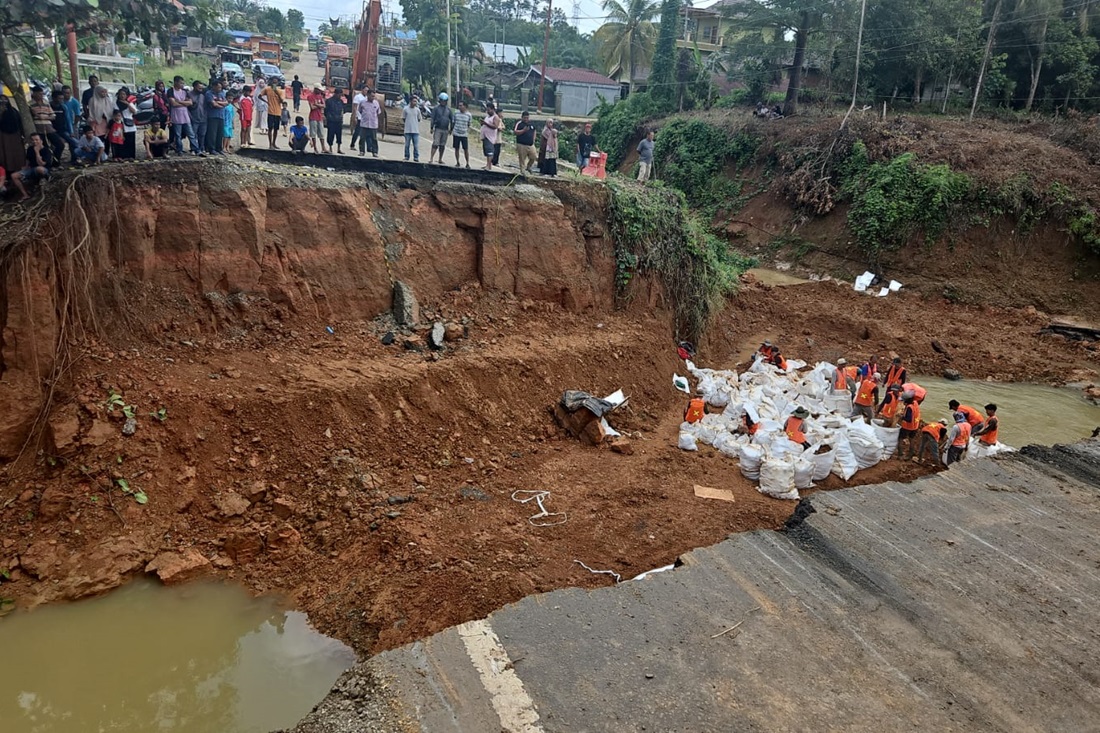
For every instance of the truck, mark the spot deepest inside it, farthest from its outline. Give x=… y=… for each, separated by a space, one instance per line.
x=267 y=50
x=379 y=67
x=338 y=66
x=311 y=43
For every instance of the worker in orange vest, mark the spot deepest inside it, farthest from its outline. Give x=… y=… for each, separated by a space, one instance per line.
x=896 y=374
x=910 y=426
x=933 y=438
x=748 y=425
x=918 y=391
x=841 y=382
x=766 y=351
x=987 y=433
x=958 y=439
x=866 y=398
x=793 y=426
x=972 y=416
x=696 y=408
x=778 y=361
x=888 y=409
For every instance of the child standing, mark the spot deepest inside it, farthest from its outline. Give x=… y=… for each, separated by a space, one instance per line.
x=261 y=110
x=284 y=120
x=230 y=113
x=116 y=136
x=246 y=117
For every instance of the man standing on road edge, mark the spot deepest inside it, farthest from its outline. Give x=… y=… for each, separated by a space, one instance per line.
x=462 y=133
x=645 y=157
x=411 y=116
x=525 y=144
x=316 y=102
x=368 y=112
x=334 y=120
x=356 y=128
x=274 y=97
x=443 y=119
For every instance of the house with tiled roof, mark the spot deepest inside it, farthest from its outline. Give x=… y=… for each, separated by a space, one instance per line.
x=574 y=92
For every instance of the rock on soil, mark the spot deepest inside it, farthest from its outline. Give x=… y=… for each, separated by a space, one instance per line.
x=454 y=332
x=129 y=427
x=231 y=504
x=359 y=702
x=406 y=311
x=435 y=338
x=178 y=567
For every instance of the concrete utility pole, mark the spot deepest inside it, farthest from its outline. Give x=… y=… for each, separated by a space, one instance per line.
x=985 y=58
x=448 y=41
x=545 y=52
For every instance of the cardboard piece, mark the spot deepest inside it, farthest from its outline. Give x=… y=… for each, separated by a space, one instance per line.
x=705 y=492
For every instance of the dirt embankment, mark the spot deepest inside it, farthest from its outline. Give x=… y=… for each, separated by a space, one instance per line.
x=374 y=482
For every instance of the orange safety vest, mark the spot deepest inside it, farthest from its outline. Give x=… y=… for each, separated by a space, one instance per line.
x=852 y=372
x=893 y=375
x=793 y=429
x=963 y=438
x=936 y=430
x=695 y=411
x=914 y=422
x=840 y=382
x=865 y=395
x=780 y=362
x=768 y=352
x=990 y=438
x=890 y=405
x=918 y=391
x=973 y=417
x=750 y=429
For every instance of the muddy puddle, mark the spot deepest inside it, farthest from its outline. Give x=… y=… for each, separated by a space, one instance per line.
x=774 y=277
x=1029 y=413
x=190 y=659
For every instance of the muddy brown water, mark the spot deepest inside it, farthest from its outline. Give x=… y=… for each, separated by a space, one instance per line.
x=190 y=659
x=1028 y=413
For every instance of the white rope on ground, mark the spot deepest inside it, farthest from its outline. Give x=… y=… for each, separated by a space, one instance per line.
x=544 y=513
x=618 y=578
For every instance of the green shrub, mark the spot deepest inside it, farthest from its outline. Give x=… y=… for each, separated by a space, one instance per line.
x=894 y=199
x=656 y=234
x=693 y=155
x=619 y=124
x=736 y=98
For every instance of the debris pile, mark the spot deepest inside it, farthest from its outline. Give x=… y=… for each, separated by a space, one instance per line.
x=585 y=417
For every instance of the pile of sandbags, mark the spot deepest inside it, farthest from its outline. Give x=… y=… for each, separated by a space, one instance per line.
x=839 y=444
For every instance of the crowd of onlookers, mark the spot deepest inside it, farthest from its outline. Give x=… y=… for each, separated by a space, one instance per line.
x=212 y=119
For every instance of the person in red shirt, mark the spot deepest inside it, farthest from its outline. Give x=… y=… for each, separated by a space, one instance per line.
x=246 y=117
x=316 y=102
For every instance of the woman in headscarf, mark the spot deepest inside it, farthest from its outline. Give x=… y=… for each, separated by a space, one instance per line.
x=549 y=151
x=101 y=109
x=13 y=154
x=128 y=110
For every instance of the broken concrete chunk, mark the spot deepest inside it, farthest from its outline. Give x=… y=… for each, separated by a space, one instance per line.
x=406 y=311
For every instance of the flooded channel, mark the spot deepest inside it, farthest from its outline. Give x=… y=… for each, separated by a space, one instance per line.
x=200 y=658
x=1029 y=413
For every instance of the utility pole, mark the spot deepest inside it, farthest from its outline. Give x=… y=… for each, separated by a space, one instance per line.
x=985 y=58
x=449 y=42
x=545 y=51
x=855 y=80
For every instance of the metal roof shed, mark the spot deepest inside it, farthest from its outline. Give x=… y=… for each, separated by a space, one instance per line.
x=579 y=90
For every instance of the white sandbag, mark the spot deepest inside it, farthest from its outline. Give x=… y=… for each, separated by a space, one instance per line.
x=823 y=464
x=722 y=440
x=680 y=383
x=777 y=478
x=706 y=434
x=888 y=437
x=839 y=402
x=718 y=398
x=865 y=445
x=978 y=449
x=782 y=446
x=687 y=441
x=751 y=457
x=803 y=473
x=844 y=460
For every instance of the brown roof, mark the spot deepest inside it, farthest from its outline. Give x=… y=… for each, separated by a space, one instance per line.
x=577 y=76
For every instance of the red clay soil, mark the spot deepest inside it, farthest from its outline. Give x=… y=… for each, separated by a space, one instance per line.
x=373 y=483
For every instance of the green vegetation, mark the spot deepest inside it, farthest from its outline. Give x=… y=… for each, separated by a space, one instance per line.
x=693 y=156
x=619 y=124
x=656 y=234
x=891 y=200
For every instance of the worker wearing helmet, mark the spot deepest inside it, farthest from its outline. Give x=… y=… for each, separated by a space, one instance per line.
x=443 y=119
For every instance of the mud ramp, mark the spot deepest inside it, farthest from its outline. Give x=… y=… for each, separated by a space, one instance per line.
x=963 y=601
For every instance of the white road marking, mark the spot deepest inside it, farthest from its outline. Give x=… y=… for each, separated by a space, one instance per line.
x=512 y=704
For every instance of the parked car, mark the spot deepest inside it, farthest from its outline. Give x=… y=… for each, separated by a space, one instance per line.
x=233 y=72
x=269 y=72
x=287 y=56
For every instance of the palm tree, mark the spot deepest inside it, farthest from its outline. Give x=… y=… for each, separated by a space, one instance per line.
x=627 y=40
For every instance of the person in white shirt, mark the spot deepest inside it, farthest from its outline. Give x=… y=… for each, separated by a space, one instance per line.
x=411 y=115
x=355 y=132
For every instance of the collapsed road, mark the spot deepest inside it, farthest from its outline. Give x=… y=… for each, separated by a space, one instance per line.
x=961 y=601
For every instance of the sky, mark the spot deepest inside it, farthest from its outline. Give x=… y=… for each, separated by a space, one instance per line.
x=590 y=15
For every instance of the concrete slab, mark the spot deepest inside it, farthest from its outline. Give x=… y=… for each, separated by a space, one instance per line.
x=961 y=602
